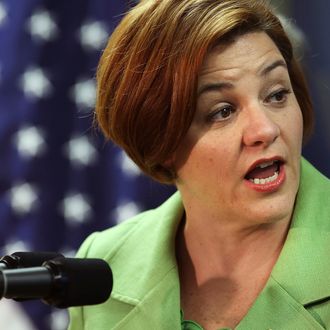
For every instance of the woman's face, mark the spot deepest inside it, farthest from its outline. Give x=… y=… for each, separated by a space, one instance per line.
x=241 y=156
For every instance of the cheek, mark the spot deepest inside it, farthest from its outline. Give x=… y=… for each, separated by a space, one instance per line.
x=207 y=160
x=296 y=127
x=292 y=127
x=207 y=155
x=196 y=159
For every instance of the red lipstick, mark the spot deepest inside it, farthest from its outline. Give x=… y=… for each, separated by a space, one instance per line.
x=266 y=178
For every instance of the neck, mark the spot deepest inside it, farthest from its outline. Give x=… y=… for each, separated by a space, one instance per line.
x=231 y=251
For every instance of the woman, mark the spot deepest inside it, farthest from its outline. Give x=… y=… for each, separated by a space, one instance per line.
x=207 y=95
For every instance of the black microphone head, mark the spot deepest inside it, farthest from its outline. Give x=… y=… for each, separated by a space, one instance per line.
x=80 y=282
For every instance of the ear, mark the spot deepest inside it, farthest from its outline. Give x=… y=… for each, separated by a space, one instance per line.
x=169 y=166
x=169 y=163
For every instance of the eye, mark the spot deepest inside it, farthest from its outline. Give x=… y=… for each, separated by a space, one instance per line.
x=279 y=96
x=222 y=113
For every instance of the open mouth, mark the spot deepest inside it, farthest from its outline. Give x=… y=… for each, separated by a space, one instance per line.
x=265 y=172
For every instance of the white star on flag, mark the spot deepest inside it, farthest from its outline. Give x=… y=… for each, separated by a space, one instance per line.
x=59 y=319
x=93 y=35
x=80 y=151
x=16 y=246
x=42 y=26
x=3 y=14
x=76 y=208
x=35 y=83
x=84 y=94
x=13 y=316
x=127 y=165
x=30 y=141
x=125 y=210
x=23 y=198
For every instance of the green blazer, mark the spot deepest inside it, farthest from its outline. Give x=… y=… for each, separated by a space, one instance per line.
x=146 y=293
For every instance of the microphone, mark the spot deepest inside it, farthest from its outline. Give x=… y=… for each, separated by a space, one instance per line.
x=26 y=259
x=61 y=282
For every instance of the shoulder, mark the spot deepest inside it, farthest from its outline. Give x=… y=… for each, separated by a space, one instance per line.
x=311 y=177
x=102 y=244
x=312 y=209
x=99 y=243
x=314 y=186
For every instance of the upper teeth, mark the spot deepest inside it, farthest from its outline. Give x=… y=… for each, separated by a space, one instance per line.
x=266 y=164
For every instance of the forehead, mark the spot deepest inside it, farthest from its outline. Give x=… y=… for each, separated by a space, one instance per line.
x=250 y=52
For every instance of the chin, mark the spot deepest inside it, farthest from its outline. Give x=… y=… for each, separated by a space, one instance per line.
x=274 y=210
x=274 y=206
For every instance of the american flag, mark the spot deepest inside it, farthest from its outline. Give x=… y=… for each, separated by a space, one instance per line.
x=59 y=180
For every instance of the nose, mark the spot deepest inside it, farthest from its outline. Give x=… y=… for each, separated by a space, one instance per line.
x=260 y=128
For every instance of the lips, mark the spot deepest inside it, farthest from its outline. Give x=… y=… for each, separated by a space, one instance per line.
x=266 y=174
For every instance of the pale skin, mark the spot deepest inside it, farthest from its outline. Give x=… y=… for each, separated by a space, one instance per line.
x=233 y=234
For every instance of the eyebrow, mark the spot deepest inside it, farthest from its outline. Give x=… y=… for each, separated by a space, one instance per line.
x=272 y=66
x=211 y=87
x=214 y=87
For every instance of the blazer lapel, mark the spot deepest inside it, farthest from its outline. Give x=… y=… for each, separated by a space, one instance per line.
x=276 y=309
x=299 y=280
x=303 y=269
x=160 y=309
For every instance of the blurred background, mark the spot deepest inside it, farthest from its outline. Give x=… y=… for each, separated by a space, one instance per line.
x=59 y=181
